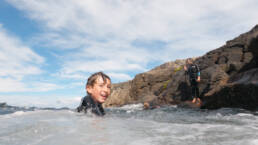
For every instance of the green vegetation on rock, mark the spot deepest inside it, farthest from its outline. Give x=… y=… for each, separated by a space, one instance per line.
x=178 y=69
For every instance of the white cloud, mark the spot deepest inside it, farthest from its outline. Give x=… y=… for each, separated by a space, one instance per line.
x=11 y=85
x=42 y=87
x=71 y=102
x=18 y=61
x=102 y=31
x=153 y=19
x=119 y=76
x=41 y=101
x=108 y=57
x=14 y=85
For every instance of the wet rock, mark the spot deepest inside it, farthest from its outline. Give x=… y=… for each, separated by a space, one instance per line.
x=241 y=92
x=119 y=95
x=228 y=78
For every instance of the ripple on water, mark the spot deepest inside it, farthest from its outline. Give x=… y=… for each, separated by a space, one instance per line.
x=168 y=125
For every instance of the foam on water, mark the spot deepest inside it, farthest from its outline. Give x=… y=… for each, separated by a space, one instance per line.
x=163 y=126
x=18 y=113
x=131 y=108
x=254 y=142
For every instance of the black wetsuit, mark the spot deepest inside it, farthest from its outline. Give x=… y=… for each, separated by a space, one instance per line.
x=193 y=71
x=88 y=103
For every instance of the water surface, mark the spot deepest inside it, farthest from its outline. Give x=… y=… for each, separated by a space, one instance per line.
x=130 y=125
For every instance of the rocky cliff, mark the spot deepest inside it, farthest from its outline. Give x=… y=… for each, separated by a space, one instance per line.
x=229 y=78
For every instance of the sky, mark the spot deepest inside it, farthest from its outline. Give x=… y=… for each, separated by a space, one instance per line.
x=48 y=48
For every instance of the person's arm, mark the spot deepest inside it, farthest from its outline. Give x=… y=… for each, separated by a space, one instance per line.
x=198 y=74
x=198 y=79
x=186 y=69
x=81 y=106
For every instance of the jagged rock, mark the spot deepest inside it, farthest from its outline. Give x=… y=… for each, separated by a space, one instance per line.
x=228 y=78
x=151 y=82
x=119 y=95
x=242 y=92
x=144 y=87
x=239 y=89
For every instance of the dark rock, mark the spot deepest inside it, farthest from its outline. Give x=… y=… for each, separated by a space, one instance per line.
x=119 y=95
x=242 y=92
x=228 y=78
x=239 y=88
x=3 y=104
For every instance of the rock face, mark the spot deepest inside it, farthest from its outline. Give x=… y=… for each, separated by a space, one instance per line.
x=119 y=95
x=229 y=78
x=145 y=86
x=236 y=85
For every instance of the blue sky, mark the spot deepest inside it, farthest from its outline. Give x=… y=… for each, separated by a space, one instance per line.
x=49 y=48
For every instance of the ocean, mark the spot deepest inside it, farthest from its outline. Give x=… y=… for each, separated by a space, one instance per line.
x=128 y=125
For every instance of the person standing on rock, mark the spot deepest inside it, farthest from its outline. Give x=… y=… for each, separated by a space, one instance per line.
x=193 y=72
x=98 y=88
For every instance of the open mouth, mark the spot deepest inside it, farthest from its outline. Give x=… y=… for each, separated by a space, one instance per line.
x=104 y=96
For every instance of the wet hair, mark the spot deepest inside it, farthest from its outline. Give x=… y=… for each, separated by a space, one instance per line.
x=92 y=79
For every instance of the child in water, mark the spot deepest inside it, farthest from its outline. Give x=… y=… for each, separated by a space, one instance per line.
x=98 y=88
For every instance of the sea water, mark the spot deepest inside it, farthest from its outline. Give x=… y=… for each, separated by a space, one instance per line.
x=129 y=125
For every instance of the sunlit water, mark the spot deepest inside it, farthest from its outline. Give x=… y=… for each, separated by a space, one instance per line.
x=130 y=125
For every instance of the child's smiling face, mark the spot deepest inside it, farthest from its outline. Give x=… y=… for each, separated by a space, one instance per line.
x=100 y=90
